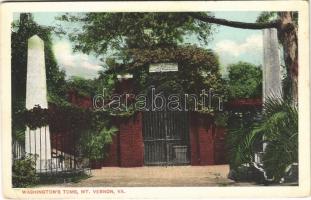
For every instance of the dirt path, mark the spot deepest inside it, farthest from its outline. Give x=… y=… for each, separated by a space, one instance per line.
x=158 y=176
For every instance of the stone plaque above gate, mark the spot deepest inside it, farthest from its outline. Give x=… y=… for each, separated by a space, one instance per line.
x=163 y=67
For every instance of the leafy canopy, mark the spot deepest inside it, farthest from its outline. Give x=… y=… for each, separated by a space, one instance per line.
x=101 y=31
x=245 y=81
x=139 y=39
x=198 y=69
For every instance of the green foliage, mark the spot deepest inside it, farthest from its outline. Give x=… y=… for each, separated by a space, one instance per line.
x=95 y=139
x=138 y=39
x=266 y=16
x=36 y=118
x=64 y=118
x=107 y=80
x=245 y=81
x=84 y=87
x=241 y=139
x=198 y=69
x=280 y=129
x=24 y=172
x=94 y=144
x=221 y=119
x=269 y=16
x=58 y=100
x=60 y=118
x=101 y=31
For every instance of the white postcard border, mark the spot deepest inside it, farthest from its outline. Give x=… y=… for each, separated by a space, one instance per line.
x=303 y=189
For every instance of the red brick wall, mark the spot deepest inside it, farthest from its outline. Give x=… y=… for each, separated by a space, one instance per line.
x=220 y=146
x=78 y=100
x=194 y=140
x=112 y=159
x=131 y=142
x=127 y=150
x=206 y=140
x=202 y=140
x=206 y=144
x=62 y=141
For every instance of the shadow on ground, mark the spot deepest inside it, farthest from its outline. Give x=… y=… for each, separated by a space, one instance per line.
x=158 y=176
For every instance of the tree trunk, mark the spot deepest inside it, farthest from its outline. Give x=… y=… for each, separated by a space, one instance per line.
x=287 y=33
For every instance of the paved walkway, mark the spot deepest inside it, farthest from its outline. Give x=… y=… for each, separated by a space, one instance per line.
x=158 y=176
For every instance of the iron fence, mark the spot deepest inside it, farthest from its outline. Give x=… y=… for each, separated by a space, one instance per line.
x=52 y=152
x=166 y=138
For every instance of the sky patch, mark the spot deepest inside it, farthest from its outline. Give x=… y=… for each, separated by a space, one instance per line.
x=231 y=44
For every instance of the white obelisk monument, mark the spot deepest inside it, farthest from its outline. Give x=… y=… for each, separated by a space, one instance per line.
x=37 y=142
x=272 y=84
x=272 y=80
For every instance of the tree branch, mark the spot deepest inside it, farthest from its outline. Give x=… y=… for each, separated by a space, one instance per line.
x=235 y=24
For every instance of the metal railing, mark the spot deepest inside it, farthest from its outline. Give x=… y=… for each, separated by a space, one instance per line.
x=51 y=155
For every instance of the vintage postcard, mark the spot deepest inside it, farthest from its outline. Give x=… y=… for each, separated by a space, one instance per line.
x=156 y=100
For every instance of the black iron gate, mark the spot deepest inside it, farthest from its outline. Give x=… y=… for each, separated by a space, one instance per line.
x=166 y=138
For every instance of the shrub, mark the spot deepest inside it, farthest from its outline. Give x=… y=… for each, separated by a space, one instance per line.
x=24 y=172
x=240 y=140
x=94 y=144
x=279 y=129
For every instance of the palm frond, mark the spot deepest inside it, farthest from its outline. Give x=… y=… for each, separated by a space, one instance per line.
x=278 y=128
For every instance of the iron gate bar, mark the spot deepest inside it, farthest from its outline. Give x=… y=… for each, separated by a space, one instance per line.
x=166 y=138
x=62 y=159
x=46 y=161
x=54 y=159
x=35 y=134
x=162 y=131
x=29 y=140
x=40 y=152
x=150 y=140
